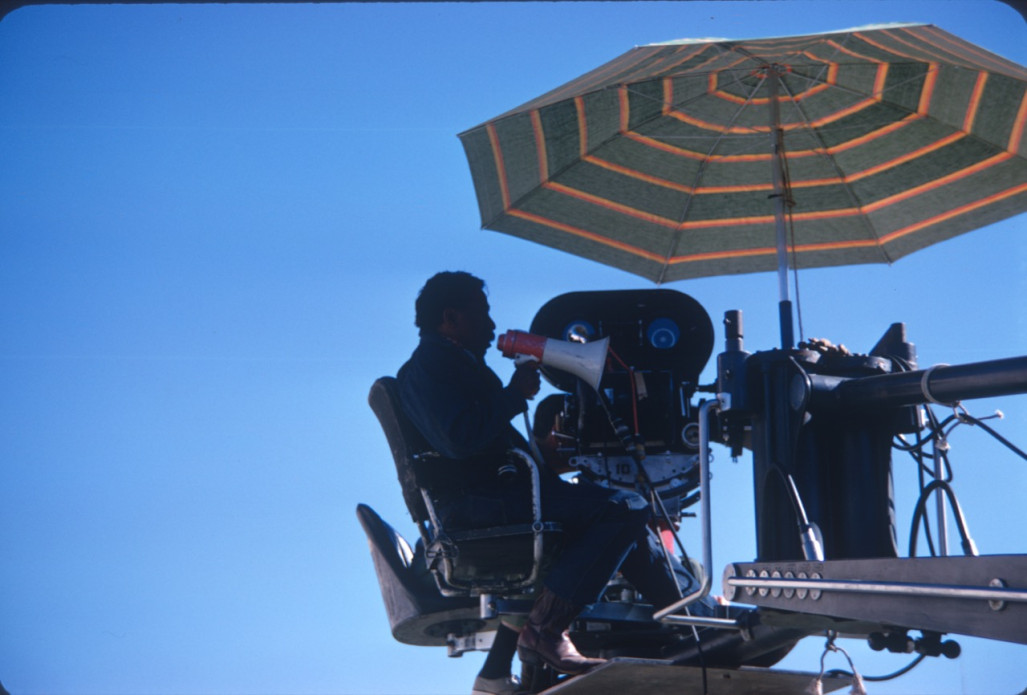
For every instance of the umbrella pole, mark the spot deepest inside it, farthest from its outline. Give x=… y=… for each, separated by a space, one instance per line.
x=780 y=197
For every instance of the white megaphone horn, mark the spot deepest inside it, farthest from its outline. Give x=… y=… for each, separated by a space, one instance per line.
x=586 y=361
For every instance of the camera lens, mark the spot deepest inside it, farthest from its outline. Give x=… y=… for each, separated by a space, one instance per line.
x=663 y=334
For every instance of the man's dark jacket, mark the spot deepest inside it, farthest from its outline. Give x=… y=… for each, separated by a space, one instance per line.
x=462 y=409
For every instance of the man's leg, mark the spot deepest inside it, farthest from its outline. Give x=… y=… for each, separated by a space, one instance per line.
x=660 y=580
x=601 y=526
x=494 y=677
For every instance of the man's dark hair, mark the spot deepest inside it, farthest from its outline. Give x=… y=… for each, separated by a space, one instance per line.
x=445 y=290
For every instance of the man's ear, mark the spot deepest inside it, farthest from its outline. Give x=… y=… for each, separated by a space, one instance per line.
x=450 y=318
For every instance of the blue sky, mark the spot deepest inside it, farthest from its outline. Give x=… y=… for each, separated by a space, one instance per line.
x=213 y=223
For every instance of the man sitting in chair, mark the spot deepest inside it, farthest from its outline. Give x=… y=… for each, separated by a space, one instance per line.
x=463 y=410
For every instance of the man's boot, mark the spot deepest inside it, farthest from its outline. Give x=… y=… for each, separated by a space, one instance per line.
x=544 y=640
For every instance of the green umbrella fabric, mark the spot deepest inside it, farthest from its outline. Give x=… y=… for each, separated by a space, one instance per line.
x=660 y=162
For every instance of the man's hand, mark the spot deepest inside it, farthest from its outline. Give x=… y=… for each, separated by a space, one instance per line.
x=825 y=347
x=526 y=380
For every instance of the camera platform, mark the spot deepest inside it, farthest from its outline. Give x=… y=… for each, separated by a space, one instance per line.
x=621 y=676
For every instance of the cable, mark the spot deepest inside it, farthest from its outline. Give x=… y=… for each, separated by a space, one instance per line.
x=792 y=493
x=901 y=672
x=830 y=646
x=702 y=660
x=969 y=547
x=631 y=385
x=638 y=453
x=977 y=421
x=938 y=435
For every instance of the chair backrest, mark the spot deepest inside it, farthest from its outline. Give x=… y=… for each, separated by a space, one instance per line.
x=405 y=441
x=502 y=560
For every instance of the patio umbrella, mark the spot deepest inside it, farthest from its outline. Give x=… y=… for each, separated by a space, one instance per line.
x=695 y=158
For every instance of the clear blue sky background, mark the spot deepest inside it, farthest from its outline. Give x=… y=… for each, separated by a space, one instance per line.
x=213 y=224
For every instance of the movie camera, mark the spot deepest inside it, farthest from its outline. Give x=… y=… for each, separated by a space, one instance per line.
x=627 y=364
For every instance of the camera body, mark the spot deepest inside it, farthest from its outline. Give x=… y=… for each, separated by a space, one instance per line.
x=659 y=342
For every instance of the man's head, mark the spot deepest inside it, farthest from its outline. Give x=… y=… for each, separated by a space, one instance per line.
x=454 y=305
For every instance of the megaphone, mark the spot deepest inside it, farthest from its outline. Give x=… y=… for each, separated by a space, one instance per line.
x=586 y=361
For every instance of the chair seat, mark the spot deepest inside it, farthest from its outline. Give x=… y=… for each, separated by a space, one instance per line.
x=496 y=560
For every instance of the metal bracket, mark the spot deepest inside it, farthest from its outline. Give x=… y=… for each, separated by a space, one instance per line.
x=457 y=645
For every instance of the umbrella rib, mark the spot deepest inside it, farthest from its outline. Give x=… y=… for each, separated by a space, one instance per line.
x=724 y=47
x=817 y=77
x=676 y=238
x=864 y=219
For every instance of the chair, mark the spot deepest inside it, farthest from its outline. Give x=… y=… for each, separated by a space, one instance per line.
x=504 y=560
x=418 y=613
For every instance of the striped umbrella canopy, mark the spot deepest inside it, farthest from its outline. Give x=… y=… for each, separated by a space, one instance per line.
x=694 y=158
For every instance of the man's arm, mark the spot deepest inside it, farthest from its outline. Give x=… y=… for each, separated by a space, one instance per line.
x=460 y=406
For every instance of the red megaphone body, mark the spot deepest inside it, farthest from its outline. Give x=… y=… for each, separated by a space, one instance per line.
x=586 y=361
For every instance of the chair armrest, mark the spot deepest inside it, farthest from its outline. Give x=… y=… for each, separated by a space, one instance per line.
x=525 y=459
